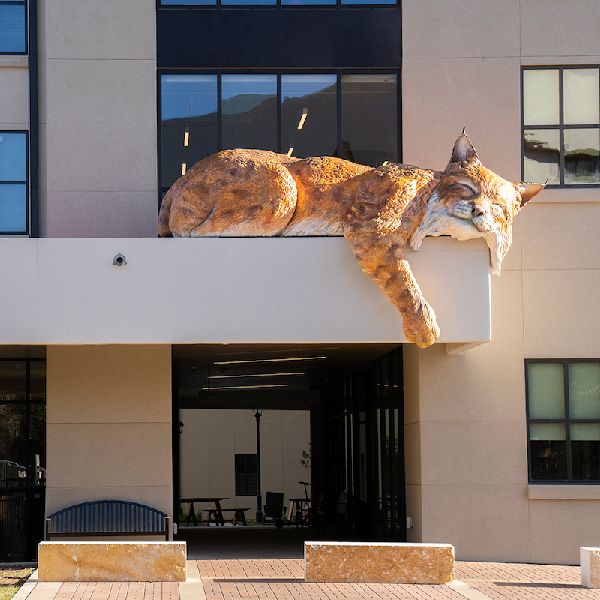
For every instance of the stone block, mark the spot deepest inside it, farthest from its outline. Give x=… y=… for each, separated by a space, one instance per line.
x=112 y=561
x=384 y=562
x=590 y=567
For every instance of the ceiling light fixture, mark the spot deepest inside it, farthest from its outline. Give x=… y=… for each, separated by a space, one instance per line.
x=262 y=360
x=244 y=387
x=255 y=375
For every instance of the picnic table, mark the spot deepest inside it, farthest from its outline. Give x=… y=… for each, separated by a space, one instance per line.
x=191 y=513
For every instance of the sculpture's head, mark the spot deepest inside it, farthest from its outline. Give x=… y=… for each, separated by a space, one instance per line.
x=470 y=201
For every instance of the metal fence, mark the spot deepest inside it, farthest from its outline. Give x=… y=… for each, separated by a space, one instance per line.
x=21 y=522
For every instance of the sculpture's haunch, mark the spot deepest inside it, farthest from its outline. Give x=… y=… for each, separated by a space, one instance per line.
x=252 y=193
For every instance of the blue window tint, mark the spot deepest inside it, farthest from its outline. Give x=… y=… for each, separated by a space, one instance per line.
x=12 y=29
x=13 y=208
x=13 y=182
x=13 y=156
x=186 y=2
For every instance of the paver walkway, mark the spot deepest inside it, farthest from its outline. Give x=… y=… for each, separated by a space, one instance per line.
x=283 y=579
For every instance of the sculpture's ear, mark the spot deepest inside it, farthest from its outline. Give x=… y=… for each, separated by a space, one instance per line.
x=463 y=153
x=528 y=191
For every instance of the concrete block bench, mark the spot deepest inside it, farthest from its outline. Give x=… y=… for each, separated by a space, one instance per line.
x=378 y=562
x=590 y=567
x=112 y=561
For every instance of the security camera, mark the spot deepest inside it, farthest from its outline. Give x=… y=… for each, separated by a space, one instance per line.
x=119 y=260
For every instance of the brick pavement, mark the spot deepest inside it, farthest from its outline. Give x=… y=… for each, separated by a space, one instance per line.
x=283 y=579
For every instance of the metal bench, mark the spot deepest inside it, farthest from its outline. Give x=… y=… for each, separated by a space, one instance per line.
x=238 y=515
x=107 y=518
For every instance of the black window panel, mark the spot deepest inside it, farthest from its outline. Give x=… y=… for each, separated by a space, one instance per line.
x=245 y=474
x=285 y=39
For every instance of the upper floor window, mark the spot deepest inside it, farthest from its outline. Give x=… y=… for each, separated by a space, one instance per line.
x=334 y=3
x=561 y=125
x=351 y=115
x=563 y=406
x=245 y=474
x=13 y=182
x=13 y=27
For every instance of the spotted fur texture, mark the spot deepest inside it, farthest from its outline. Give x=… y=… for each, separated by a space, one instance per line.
x=253 y=193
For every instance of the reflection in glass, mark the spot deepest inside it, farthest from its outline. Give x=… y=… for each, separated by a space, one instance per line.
x=585 y=448
x=548 y=451
x=541 y=97
x=248 y=2
x=249 y=105
x=584 y=391
x=13 y=433
x=189 y=122
x=581 y=96
x=542 y=156
x=546 y=392
x=309 y=115
x=12 y=29
x=369 y=119
x=581 y=156
x=13 y=382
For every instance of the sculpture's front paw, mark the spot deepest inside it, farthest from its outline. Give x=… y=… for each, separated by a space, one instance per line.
x=421 y=327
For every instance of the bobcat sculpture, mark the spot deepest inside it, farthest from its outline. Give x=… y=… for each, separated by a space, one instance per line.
x=252 y=193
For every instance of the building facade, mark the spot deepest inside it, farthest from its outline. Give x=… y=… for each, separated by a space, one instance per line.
x=489 y=440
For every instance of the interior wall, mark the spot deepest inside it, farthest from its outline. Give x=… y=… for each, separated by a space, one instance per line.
x=109 y=425
x=210 y=439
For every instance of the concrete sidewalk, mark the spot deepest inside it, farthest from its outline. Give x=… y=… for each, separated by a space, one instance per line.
x=283 y=579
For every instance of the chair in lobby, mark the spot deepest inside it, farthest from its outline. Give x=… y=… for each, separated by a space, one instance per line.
x=273 y=509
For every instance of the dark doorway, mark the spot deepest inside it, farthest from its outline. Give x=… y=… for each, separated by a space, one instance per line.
x=354 y=393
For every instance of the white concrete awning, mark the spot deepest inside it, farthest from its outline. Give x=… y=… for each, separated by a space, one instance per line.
x=258 y=290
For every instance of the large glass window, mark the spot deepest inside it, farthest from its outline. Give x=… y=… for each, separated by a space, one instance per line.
x=13 y=27
x=22 y=422
x=273 y=2
x=294 y=114
x=561 y=125
x=13 y=182
x=563 y=402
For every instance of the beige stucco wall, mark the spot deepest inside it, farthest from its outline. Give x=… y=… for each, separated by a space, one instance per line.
x=466 y=440
x=109 y=425
x=97 y=82
x=210 y=439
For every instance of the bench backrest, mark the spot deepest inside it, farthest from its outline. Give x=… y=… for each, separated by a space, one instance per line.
x=102 y=516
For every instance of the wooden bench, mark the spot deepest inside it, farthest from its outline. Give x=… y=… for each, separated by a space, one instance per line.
x=238 y=515
x=107 y=518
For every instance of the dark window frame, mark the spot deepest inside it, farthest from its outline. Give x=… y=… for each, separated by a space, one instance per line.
x=25 y=28
x=278 y=72
x=561 y=127
x=567 y=421
x=26 y=182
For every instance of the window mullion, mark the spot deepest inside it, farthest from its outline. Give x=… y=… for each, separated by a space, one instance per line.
x=567 y=423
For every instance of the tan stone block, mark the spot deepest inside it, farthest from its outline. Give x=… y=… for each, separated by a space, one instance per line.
x=590 y=567
x=112 y=561
x=364 y=562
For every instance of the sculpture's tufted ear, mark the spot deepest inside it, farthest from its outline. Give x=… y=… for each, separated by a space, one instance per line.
x=463 y=153
x=528 y=191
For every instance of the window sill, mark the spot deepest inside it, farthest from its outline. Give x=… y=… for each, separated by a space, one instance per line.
x=564 y=492
x=10 y=60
